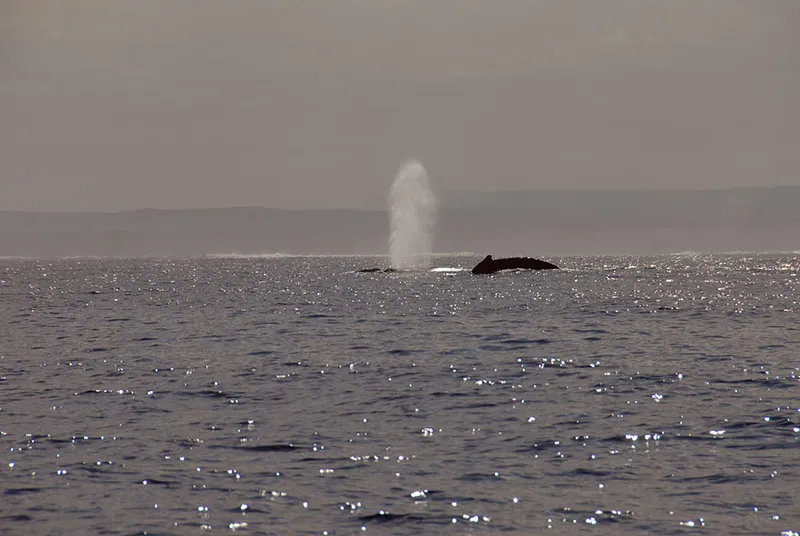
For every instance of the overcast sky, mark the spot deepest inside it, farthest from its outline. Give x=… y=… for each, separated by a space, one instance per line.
x=114 y=104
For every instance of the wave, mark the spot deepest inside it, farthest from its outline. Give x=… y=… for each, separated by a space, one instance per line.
x=733 y=252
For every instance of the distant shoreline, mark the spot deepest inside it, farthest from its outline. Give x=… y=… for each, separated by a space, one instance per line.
x=455 y=199
x=537 y=224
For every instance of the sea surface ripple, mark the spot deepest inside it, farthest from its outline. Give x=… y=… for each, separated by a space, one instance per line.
x=635 y=395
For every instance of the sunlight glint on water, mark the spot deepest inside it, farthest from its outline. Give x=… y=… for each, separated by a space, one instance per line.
x=618 y=395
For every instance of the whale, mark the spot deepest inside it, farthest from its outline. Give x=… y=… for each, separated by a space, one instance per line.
x=489 y=265
x=372 y=270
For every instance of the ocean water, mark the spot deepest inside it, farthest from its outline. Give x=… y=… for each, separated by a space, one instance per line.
x=619 y=395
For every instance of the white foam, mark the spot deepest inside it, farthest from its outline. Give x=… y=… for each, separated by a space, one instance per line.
x=447 y=269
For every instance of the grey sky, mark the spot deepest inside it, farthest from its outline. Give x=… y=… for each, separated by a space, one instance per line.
x=111 y=104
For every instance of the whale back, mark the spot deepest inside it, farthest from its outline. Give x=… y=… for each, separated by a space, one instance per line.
x=486 y=266
x=489 y=265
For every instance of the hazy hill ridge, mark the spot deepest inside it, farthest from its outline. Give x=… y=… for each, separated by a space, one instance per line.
x=530 y=222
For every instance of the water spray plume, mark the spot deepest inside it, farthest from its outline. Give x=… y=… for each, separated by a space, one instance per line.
x=412 y=216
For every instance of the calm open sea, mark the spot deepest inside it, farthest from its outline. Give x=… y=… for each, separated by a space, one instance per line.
x=619 y=395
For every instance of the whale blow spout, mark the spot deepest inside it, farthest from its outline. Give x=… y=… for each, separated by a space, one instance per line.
x=412 y=217
x=489 y=265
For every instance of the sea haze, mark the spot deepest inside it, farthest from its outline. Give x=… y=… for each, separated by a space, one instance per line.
x=500 y=223
x=618 y=395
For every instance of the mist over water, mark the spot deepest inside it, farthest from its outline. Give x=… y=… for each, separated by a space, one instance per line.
x=412 y=217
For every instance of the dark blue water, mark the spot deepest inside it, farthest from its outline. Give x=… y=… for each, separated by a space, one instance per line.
x=636 y=395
